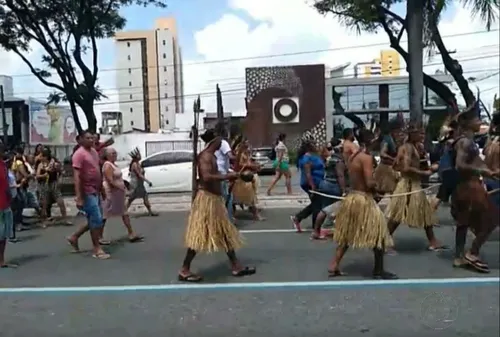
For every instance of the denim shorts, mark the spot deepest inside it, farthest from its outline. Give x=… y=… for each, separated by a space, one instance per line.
x=6 y=224
x=92 y=209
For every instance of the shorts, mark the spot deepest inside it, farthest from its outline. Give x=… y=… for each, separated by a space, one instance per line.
x=6 y=224
x=283 y=166
x=93 y=211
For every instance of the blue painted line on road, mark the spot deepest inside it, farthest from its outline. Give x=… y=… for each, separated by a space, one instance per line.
x=407 y=283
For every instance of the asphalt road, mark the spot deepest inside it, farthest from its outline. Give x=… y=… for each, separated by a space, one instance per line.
x=297 y=307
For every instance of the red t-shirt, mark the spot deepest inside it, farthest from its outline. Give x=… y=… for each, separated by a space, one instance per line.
x=87 y=162
x=4 y=187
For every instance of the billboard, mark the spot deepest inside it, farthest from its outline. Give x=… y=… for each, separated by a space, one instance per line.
x=51 y=124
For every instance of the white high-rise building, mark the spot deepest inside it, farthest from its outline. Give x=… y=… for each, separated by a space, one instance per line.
x=149 y=77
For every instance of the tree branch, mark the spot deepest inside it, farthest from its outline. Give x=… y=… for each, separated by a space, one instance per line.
x=37 y=73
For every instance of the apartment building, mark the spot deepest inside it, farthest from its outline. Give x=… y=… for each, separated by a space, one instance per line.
x=387 y=65
x=149 y=77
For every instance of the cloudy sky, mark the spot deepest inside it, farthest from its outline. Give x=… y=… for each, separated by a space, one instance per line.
x=246 y=29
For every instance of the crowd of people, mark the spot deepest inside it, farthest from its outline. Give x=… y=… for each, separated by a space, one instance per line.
x=32 y=181
x=345 y=184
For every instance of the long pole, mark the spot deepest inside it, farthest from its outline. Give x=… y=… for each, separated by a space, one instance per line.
x=414 y=11
x=4 y=117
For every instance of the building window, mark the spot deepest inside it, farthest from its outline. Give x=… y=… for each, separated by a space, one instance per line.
x=130 y=96
x=164 y=69
x=129 y=71
x=164 y=55
x=131 y=110
x=166 y=95
x=132 y=123
x=164 y=42
x=166 y=108
x=128 y=44
x=129 y=84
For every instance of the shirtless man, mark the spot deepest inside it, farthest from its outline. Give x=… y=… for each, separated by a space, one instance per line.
x=209 y=228
x=413 y=208
x=348 y=145
x=492 y=158
x=471 y=206
x=359 y=221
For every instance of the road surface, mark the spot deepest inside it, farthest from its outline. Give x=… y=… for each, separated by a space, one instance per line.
x=143 y=298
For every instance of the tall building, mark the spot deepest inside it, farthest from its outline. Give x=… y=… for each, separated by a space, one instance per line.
x=8 y=85
x=387 y=65
x=149 y=77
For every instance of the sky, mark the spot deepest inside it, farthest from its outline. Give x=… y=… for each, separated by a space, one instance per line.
x=215 y=30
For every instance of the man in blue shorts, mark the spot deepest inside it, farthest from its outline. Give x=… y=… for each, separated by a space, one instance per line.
x=88 y=189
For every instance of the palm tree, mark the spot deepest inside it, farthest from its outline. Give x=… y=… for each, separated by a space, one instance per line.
x=486 y=10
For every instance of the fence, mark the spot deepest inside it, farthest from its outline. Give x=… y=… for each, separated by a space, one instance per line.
x=153 y=147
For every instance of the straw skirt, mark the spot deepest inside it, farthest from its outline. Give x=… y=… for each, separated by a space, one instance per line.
x=244 y=193
x=386 y=178
x=360 y=223
x=209 y=228
x=413 y=209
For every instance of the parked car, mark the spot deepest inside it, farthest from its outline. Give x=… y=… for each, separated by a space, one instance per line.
x=262 y=156
x=168 y=171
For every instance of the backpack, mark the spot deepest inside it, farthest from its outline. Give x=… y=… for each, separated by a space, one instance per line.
x=447 y=164
x=273 y=154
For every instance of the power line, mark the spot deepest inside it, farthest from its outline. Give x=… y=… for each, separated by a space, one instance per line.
x=139 y=89
x=317 y=51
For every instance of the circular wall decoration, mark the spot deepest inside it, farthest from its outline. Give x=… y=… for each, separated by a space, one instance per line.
x=286 y=103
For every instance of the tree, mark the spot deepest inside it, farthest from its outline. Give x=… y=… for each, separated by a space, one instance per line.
x=487 y=10
x=375 y=15
x=496 y=104
x=66 y=30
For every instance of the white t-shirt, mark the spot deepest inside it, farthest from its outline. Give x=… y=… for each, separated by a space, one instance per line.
x=222 y=155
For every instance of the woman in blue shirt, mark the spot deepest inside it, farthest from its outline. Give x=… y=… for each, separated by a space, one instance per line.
x=312 y=172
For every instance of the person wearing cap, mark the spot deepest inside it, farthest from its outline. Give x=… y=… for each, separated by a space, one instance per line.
x=412 y=207
x=471 y=206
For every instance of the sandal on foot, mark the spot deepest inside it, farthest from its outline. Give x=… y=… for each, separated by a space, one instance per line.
x=104 y=242
x=153 y=214
x=101 y=256
x=439 y=248
x=74 y=245
x=190 y=278
x=336 y=273
x=317 y=237
x=136 y=238
x=478 y=265
x=244 y=272
x=9 y=265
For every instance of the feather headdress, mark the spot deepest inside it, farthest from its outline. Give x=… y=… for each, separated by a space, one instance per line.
x=134 y=153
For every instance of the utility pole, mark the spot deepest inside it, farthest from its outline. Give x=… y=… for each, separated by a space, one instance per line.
x=4 y=117
x=415 y=14
x=197 y=110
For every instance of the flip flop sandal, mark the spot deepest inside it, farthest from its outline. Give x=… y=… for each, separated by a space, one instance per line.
x=478 y=265
x=104 y=242
x=191 y=278
x=438 y=249
x=336 y=273
x=101 y=256
x=153 y=214
x=9 y=265
x=136 y=238
x=74 y=246
x=244 y=272
x=317 y=238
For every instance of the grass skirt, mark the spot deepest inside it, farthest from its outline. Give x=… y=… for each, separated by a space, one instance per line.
x=386 y=178
x=244 y=193
x=360 y=223
x=209 y=228
x=414 y=209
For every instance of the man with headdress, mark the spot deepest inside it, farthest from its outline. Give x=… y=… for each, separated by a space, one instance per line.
x=359 y=221
x=410 y=205
x=471 y=206
x=209 y=228
x=385 y=175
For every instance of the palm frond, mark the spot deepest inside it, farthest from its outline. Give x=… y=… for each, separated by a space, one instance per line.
x=487 y=10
